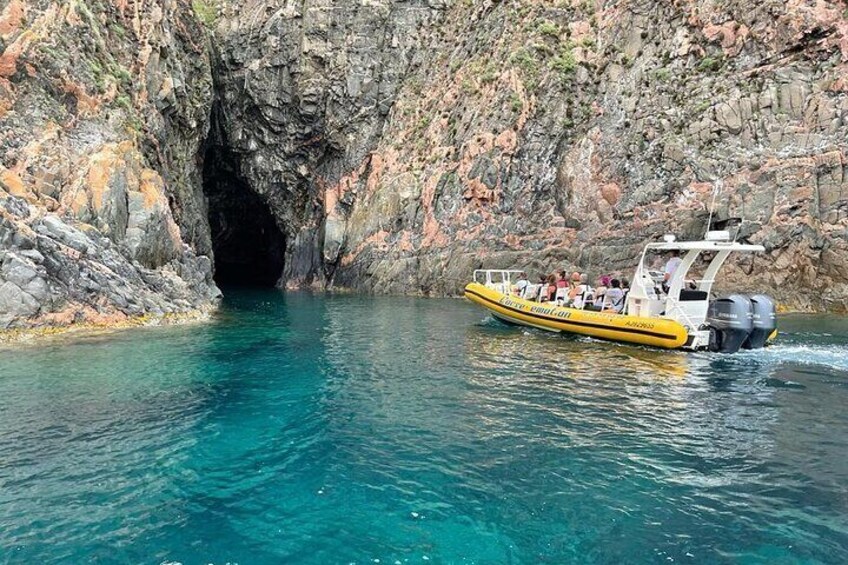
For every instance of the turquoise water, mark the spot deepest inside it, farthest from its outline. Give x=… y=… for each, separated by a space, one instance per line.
x=345 y=429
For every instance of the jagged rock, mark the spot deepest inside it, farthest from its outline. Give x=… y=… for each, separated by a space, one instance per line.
x=18 y=270
x=103 y=110
x=396 y=145
x=729 y=116
x=54 y=228
x=537 y=144
x=15 y=304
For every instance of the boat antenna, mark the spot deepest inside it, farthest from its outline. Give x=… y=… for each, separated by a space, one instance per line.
x=741 y=223
x=716 y=191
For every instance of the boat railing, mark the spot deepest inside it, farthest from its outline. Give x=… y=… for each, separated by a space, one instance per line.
x=691 y=311
x=676 y=311
x=497 y=279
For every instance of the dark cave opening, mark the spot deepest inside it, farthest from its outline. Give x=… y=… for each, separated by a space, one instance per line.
x=248 y=245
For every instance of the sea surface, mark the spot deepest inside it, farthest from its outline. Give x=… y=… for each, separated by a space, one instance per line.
x=341 y=429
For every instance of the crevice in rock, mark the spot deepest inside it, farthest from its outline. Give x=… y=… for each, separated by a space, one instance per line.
x=248 y=245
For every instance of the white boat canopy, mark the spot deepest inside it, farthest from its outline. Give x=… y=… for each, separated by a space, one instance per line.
x=686 y=299
x=705 y=245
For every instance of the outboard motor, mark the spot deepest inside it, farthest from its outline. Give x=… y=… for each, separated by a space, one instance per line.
x=765 y=321
x=731 y=322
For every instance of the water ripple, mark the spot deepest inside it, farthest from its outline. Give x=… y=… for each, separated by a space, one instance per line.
x=342 y=429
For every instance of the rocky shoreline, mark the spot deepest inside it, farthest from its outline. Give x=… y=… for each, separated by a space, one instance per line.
x=104 y=107
x=47 y=334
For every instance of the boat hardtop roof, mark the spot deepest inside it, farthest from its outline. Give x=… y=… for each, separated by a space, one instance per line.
x=717 y=240
x=704 y=245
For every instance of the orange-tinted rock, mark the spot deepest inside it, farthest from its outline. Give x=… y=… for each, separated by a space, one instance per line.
x=11 y=18
x=97 y=181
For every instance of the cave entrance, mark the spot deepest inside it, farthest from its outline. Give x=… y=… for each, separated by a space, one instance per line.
x=248 y=245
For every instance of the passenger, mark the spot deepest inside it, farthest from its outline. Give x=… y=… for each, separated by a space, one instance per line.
x=551 y=289
x=561 y=288
x=583 y=290
x=562 y=280
x=521 y=285
x=578 y=302
x=575 y=286
x=541 y=293
x=670 y=268
x=598 y=302
x=614 y=299
x=584 y=283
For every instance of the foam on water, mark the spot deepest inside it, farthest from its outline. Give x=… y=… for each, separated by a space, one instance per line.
x=832 y=356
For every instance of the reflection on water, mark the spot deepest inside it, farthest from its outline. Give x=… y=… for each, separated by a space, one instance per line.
x=348 y=429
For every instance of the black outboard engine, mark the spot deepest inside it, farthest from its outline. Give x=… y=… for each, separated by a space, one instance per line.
x=765 y=321
x=731 y=322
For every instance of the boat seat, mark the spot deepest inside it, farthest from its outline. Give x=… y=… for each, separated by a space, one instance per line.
x=687 y=295
x=561 y=296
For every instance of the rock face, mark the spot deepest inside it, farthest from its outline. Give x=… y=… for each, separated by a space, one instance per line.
x=400 y=145
x=396 y=145
x=103 y=109
x=305 y=90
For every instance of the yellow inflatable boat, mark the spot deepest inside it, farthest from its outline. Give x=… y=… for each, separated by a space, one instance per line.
x=674 y=311
x=617 y=327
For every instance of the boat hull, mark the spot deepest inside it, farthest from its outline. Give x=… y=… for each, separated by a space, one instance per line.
x=667 y=334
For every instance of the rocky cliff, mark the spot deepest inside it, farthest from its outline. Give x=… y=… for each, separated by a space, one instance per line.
x=403 y=144
x=104 y=106
x=394 y=146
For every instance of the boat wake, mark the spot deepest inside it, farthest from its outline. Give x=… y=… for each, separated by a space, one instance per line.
x=832 y=356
